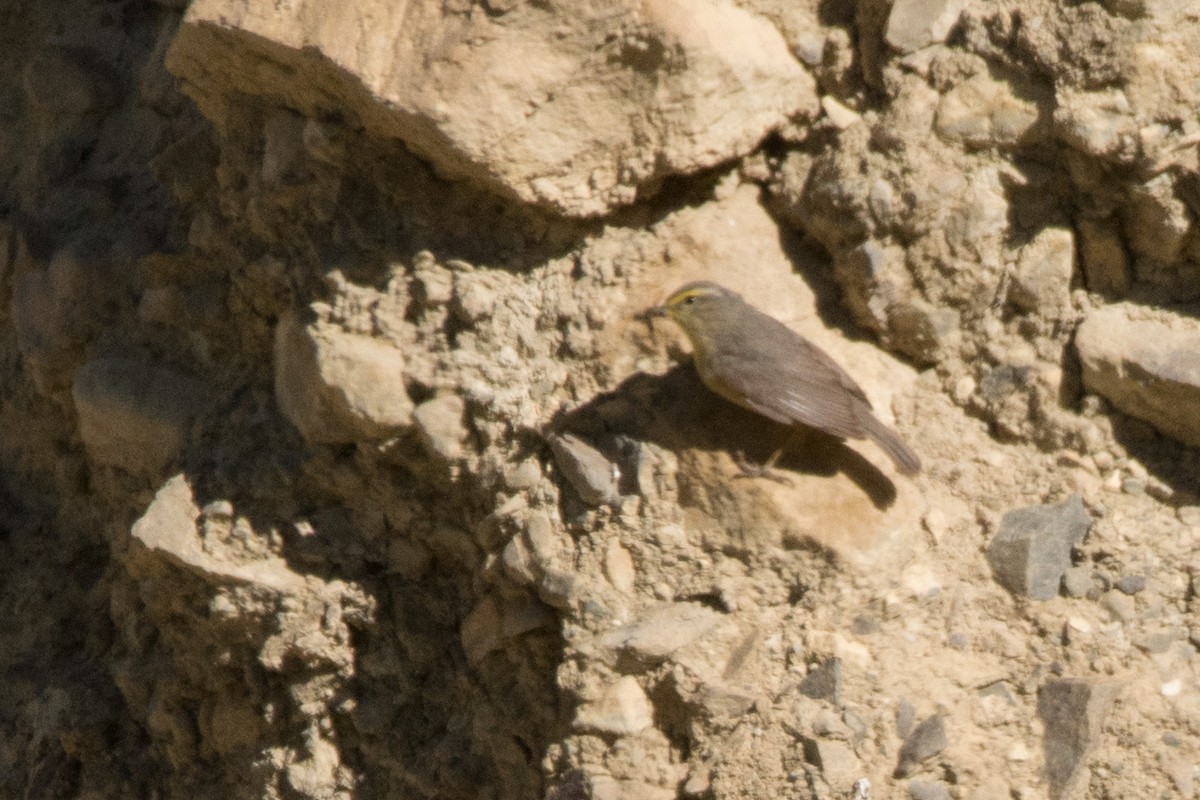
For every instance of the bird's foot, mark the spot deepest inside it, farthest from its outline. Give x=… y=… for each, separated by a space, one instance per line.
x=748 y=470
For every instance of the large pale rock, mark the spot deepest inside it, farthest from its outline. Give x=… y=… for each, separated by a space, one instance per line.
x=338 y=387
x=574 y=110
x=1147 y=366
x=135 y=415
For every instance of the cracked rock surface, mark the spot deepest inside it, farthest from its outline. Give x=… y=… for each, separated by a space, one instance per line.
x=340 y=459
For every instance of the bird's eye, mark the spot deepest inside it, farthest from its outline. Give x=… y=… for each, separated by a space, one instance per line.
x=687 y=301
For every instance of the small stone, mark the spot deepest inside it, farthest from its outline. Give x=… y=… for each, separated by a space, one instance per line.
x=559 y=588
x=926 y=740
x=1073 y=713
x=521 y=476
x=1042 y=280
x=543 y=542
x=841 y=116
x=914 y=24
x=1105 y=261
x=864 y=626
x=1133 y=486
x=823 y=682
x=618 y=567
x=661 y=631
x=1077 y=581
x=592 y=475
x=1032 y=549
x=338 y=387
x=517 y=561
x=1171 y=688
x=1156 y=642
x=928 y=790
x=135 y=415
x=1121 y=606
x=481 y=630
x=837 y=762
x=622 y=709
x=439 y=423
x=1132 y=584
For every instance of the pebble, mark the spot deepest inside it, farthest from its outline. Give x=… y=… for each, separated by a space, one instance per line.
x=837 y=762
x=1077 y=581
x=926 y=740
x=824 y=682
x=589 y=472
x=661 y=630
x=622 y=709
x=524 y=475
x=1121 y=606
x=1073 y=712
x=927 y=790
x=1132 y=584
x=618 y=567
x=915 y=24
x=439 y=424
x=1032 y=550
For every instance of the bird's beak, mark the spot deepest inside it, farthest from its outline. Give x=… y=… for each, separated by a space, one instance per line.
x=655 y=312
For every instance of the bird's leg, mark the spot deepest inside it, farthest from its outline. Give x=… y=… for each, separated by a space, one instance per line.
x=767 y=468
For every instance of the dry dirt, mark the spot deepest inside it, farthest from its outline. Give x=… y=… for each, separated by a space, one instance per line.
x=339 y=461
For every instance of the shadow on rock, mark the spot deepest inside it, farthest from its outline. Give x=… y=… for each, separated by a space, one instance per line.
x=677 y=412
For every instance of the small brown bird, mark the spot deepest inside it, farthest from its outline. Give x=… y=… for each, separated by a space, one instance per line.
x=759 y=363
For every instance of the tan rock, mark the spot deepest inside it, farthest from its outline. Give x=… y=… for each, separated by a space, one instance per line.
x=573 y=111
x=1146 y=366
x=336 y=386
x=622 y=709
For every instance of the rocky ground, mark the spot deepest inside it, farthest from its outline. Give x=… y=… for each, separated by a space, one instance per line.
x=339 y=460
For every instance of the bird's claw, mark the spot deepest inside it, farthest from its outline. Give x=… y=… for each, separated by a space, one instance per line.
x=749 y=470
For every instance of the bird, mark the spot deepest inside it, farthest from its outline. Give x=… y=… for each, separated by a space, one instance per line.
x=760 y=364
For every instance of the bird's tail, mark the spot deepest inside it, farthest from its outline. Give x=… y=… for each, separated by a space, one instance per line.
x=890 y=442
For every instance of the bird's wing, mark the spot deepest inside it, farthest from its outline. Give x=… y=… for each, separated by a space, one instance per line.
x=800 y=383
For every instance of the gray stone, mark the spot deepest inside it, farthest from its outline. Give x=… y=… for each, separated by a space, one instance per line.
x=439 y=423
x=1147 y=367
x=926 y=741
x=913 y=24
x=1132 y=584
x=592 y=475
x=920 y=330
x=823 y=682
x=1073 y=713
x=927 y=790
x=135 y=415
x=1032 y=549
